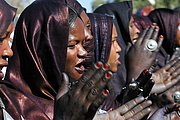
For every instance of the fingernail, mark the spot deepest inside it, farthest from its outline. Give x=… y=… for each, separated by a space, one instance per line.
x=147 y=27
x=106 y=92
x=146 y=72
x=141 y=98
x=161 y=36
x=154 y=24
x=105 y=66
x=108 y=75
x=98 y=65
x=149 y=102
x=156 y=28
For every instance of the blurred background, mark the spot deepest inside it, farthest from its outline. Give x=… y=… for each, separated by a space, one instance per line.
x=138 y=5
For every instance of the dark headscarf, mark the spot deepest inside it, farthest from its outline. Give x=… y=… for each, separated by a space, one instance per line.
x=75 y=5
x=7 y=14
x=101 y=27
x=35 y=71
x=141 y=22
x=167 y=20
x=121 y=13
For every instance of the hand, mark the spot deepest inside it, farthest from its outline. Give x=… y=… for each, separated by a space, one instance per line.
x=167 y=76
x=162 y=114
x=140 y=87
x=84 y=99
x=139 y=56
x=135 y=109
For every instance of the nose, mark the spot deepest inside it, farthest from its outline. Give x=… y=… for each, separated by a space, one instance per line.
x=82 y=52
x=88 y=34
x=137 y=31
x=7 y=52
x=118 y=48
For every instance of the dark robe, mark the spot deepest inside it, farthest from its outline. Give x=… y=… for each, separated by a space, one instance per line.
x=34 y=72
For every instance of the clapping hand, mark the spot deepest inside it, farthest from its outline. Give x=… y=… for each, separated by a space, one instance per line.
x=83 y=100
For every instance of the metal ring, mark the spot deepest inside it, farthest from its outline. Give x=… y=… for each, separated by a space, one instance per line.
x=151 y=45
x=176 y=97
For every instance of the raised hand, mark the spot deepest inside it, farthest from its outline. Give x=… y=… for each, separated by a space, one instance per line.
x=143 y=53
x=83 y=100
x=167 y=76
x=135 y=109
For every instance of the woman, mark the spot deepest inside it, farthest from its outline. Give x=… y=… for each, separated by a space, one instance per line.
x=6 y=28
x=112 y=9
x=164 y=17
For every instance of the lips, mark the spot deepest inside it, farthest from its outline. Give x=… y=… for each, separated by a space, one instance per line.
x=80 y=68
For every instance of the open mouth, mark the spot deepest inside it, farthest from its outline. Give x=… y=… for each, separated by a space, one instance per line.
x=80 y=68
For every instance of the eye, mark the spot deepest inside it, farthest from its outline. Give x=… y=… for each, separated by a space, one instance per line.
x=88 y=25
x=6 y=35
x=72 y=44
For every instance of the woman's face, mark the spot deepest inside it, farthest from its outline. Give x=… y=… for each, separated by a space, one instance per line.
x=178 y=35
x=115 y=51
x=134 y=31
x=5 y=50
x=75 y=51
x=87 y=26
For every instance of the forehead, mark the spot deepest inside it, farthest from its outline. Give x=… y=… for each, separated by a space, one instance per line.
x=84 y=17
x=76 y=31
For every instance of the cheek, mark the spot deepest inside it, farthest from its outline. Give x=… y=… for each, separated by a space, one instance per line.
x=112 y=56
x=71 y=58
x=178 y=38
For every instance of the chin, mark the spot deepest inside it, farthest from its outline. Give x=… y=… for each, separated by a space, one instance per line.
x=75 y=75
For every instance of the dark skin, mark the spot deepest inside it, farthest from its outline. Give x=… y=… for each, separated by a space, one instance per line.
x=167 y=76
x=86 y=95
x=138 y=57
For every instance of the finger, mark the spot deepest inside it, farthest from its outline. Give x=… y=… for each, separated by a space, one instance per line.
x=86 y=76
x=148 y=35
x=99 y=100
x=93 y=107
x=129 y=105
x=97 y=76
x=170 y=64
x=141 y=114
x=99 y=87
x=176 y=73
x=104 y=81
x=137 y=109
x=64 y=86
x=172 y=82
x=160 y=41
x=174 y=67
x=141 y=37
x=155 y=33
